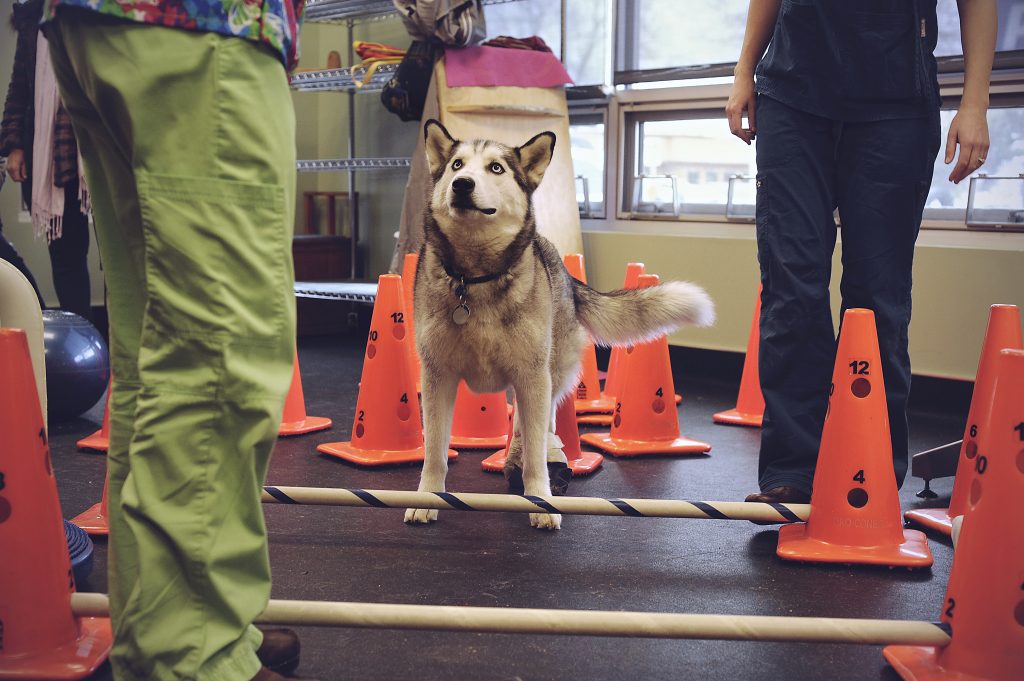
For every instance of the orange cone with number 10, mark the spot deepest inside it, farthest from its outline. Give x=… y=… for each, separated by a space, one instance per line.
x=42 y=639
x=645 y=419
x=387 y=427
x=855 y=506
x=1003 y=331
x=984 y=604
x=749 y=409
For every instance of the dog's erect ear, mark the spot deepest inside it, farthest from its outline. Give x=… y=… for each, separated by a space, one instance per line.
x=438 y=144
x=535 y=156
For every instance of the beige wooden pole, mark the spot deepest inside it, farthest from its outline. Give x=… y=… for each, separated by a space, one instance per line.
x=579 y=622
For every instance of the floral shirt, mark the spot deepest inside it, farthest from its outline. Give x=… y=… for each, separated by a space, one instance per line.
x=272 y=22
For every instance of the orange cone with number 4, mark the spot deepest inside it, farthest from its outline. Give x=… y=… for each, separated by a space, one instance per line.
x=1003 y=331
x=855 y=506
x=480 y=421
x=749 y=409
x=42 y=639
x=295 y=421
x=387 y=427
x=645 y=420
x=588 y=395
x=984 y=604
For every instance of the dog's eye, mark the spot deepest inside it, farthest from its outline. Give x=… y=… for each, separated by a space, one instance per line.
x=456 y=164
x=497 y=168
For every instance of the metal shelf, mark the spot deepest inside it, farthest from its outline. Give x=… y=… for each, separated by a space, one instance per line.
x=327 y=165
x=352 y=291
x=342 y=80
x=338 y=11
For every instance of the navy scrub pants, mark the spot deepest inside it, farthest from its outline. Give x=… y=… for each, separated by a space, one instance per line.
x=878 y=174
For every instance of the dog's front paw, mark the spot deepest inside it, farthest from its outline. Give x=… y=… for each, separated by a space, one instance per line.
x=546 y=521
x=420 y=515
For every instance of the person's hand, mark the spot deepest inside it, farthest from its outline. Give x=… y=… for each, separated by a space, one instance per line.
x=742 y=100
x=16 y=165
x=969 y=129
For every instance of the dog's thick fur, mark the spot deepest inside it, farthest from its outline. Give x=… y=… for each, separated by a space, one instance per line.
x=527 y=326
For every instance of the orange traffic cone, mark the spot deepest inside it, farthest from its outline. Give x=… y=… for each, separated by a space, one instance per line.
x=984 y=602
x=1003 y=332
x=495 y=463
x=481 y=421
x=749 y=409
x=100 y=440
x=580 y=462
x=408 y=286
x=387 y=427
x=94 y=519
x=295 y=421
x=645 y=421
x=855 y=506
x=588 y=390
x=42 y=639
x=613 y=382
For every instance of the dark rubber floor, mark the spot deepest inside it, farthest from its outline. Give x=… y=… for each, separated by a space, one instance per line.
x=657 y=565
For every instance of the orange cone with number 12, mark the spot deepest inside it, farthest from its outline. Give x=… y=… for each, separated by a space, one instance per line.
x=645 y=420
x=387 y=427
x=1003 y=331
x=855 y=506
x=42 y=639
x=984 y=604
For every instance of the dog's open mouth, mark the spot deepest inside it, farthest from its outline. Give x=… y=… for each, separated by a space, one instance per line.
x=467 y=204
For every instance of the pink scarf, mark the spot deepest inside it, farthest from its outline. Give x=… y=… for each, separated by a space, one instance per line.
x=47 y=198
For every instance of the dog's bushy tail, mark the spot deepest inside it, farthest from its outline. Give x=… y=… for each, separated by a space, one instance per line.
x=636 y=315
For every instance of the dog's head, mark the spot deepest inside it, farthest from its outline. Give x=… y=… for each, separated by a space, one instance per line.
x=482 y=189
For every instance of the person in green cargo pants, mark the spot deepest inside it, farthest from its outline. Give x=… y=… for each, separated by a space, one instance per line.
x=188 y=141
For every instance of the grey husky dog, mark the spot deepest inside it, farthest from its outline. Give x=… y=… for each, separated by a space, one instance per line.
x=495 y=306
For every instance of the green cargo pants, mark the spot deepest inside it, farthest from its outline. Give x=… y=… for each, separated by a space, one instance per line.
x=188 y=141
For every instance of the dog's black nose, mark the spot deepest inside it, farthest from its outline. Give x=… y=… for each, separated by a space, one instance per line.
x=463 y=185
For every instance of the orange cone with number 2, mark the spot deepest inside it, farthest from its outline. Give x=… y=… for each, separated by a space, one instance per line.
x=387 y=427
x=1003 y=331
x=984 y=604
x=855 y=506
x=42 y=639
x=645 y=419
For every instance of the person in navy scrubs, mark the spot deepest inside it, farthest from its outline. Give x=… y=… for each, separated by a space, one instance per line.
x=845 y=107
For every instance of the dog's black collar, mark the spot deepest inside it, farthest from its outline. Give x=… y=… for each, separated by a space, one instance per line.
x=464 y=280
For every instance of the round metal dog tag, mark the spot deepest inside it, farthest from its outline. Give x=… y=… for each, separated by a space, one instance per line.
x=460 y=315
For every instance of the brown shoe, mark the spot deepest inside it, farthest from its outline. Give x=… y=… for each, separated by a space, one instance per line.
x=780 y=495
x=279 y=651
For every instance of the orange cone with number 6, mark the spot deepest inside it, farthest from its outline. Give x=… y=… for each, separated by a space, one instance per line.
x=645 y=420
x=294 y=420
x=984 y=604
x=41 y=638
x=1003 y=331
x=588 y=395
x=855 y=506
x=387 y=427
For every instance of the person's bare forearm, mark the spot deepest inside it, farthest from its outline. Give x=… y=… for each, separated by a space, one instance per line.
x=761 y=18
x=978 y=22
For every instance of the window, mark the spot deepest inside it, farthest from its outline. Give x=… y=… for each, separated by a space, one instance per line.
x=948 y=201
x=658 y=34
x=700 y=154
x=588 y=161
x=586 y=32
